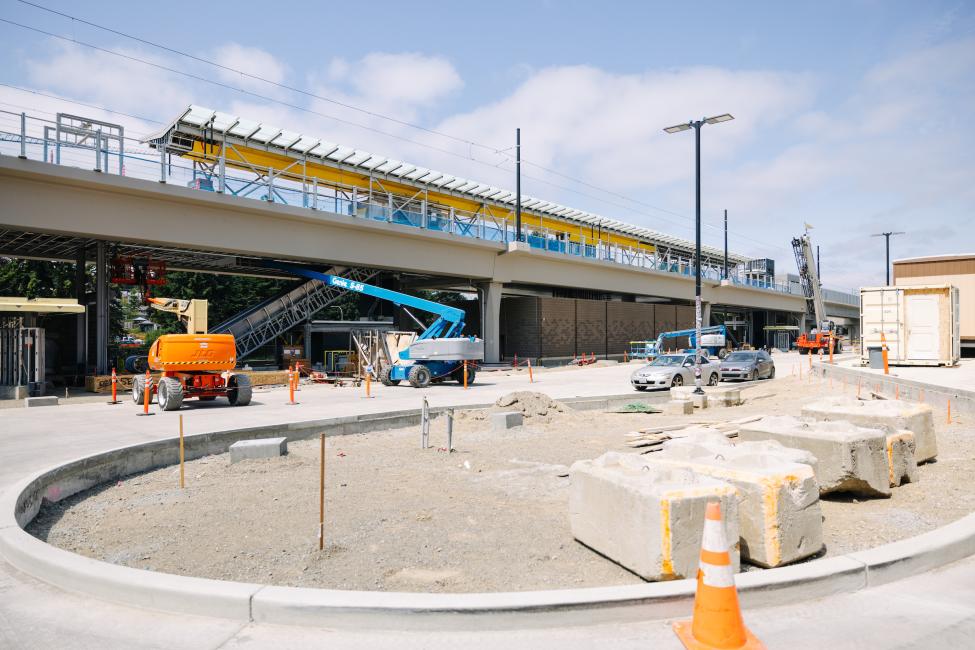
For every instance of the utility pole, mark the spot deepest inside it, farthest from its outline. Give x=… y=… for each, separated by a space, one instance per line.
x=887 y=235
x=819 y=269
x=518 y=184
x=686 y=126
x=725 y=245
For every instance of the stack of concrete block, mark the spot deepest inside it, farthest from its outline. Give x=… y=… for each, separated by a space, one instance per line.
x=849 y=458
x=890 y=415
x=780 y=520
x=647 y=517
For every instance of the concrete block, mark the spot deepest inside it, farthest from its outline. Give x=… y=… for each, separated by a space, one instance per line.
x=506 y=420
x=647 y=517
x=890 y=415
x=679 y=407
x=779 y=516
x=850 y=458
x=259 y=448
x=717 y=395
x=729 y=397
x=699 y=401
x=47 y=400
x=901 y=462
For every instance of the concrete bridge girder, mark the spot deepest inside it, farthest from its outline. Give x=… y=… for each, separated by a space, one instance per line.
x=39 y=197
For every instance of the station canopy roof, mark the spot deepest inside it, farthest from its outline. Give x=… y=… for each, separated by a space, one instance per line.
x=296 y=145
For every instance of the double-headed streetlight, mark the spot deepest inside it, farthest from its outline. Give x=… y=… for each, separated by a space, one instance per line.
x=696 y=125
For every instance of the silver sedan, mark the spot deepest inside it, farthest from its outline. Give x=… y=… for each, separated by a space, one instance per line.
x=747 y=365
x=669 y=370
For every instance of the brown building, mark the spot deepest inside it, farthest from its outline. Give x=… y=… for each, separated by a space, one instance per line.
x=957 y=270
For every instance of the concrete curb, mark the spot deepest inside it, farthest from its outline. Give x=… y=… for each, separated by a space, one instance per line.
x=411 y=611
x=909 y=389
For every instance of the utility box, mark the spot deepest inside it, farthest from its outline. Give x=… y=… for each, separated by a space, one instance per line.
x=921 y=324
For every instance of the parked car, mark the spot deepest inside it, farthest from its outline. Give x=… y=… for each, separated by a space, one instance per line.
x=747 y=365
x=673 y=370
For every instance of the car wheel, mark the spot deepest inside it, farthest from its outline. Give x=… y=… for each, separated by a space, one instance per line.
x=713 y=379
x=677 y=381
x=753 y=376
x=771 y=373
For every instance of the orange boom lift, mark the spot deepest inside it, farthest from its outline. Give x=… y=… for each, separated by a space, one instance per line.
x=195 y=364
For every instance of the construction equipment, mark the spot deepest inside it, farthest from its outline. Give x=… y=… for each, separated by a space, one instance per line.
x=438 y=352
x=714 y=341
x=195 y=364
x=819 y=337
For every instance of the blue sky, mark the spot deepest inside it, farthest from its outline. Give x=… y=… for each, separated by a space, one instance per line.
x=850 y=116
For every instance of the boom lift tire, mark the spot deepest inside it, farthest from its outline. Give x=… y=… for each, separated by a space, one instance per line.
x=239 y=390
x=385 y=379
x=170 y=394
x=139 y=390
x=419 y=376
x=458 y=375
x=722 y=353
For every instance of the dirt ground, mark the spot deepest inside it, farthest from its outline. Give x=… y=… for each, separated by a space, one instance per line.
x=490 y=516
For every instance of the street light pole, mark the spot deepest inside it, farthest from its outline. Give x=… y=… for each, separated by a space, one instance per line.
x=887 y=235
x=518 y=184
x=696 y=125
x=725 y=276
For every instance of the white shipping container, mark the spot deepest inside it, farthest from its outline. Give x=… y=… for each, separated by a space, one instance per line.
x=921 y=324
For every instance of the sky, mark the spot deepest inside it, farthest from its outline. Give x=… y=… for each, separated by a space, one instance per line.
x=853 y=117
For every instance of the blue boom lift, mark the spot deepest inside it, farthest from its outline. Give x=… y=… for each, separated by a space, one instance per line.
x=713 y=345
x=438 y=353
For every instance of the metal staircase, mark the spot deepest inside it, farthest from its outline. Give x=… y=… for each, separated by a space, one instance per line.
x=275 y=316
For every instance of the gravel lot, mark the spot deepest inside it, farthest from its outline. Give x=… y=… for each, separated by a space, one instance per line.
x=490 y=516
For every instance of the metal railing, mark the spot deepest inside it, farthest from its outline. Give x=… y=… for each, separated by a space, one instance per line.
x=36 y=138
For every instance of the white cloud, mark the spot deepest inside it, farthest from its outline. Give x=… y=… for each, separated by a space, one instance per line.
x=112 y=81
x=253 y=61
x=385 y=79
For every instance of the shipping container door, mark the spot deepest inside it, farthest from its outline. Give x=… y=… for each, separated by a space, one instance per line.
x=922 y=324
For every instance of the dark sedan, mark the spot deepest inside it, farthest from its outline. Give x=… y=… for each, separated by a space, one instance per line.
x=747 y=365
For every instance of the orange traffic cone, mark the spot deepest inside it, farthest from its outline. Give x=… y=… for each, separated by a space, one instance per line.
x=717 y=622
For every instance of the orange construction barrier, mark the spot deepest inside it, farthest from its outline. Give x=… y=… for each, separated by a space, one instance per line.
x=717 y=621
x=465 y=374
x=147 y=395
x=883 y=342
x=115 y=399
x=291 y=388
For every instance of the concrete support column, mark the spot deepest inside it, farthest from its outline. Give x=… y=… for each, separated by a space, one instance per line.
x=491 y=320
x=81 y=320
x=307 y=350
x=101 y=310
x=705 y=314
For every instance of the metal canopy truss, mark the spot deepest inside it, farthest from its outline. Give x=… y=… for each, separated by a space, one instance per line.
x=396 y=191
x=272 y=318
x=33 y=245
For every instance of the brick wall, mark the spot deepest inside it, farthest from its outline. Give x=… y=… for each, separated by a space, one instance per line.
x=558 y=327
x=520 y=327
x=590 y=327
x=628 y=321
